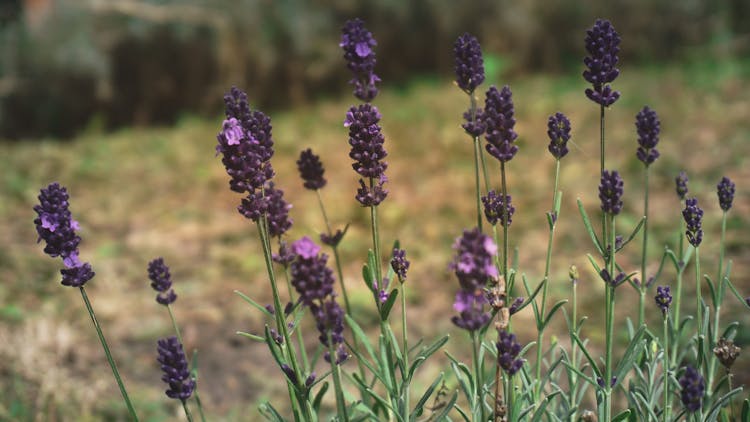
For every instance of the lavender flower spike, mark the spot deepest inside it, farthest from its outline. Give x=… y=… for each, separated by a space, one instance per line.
x=602 y=46
x=496 y=208
x=400 y=264
x=648 y=127
x=725 y=191
x=693 y=387
x=310 y=276
x=366 y=140
x=508 y=349
x=663 y=298
x=358 y=45
x=161 y=281
x=311 y=170
x=474 y=261
x=610 y=192
x=693 y=216
x=681 y=185
x=500 y=120
x=329 y=319
x=469 y=63
x=175 y=367
x=558 y=130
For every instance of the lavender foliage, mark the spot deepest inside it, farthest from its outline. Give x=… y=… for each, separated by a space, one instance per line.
x=693 y=216
x=469 y=63
x=558 y=130
x=725 y=192
x=648 y=126
x=499 y=119
x=602 y=46
x=610 y=192
x=498 y=209
x=174 y=365
x=359 y=52
x=161 y=281
x=311 y=170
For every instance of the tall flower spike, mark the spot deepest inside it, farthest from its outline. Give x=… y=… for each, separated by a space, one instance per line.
x=175 y=367
x=474 y=125
x=474 y=261
x=558 y=130
x=329 y=319
x=358 y=45
x=693 y=387
x=602 y=46
x=310 y=276
x=648 y=127
x=498 y=116
x=400 y=264
x=496 y=208
x=469 y=63
x=278 y=211
x=610 y=192
x=508 y=349
x=311 y=170
x=725 y=191
x=681 y=185
x=471 y=313
x=161 y=281
x=366 y=141
x=663 y=298
x=693 y=216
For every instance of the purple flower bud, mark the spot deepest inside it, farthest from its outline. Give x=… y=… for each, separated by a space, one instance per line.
x=474 y=125
x=161 y=281
x=558 y=130
x=663 y=298
x=311 y=170
x=400 y=264
x=725 y=191
x=602 y=46
x=310 y=380
x=496 y=209
x=610 y=192
x=277 y=338
x=692 y=389
x=358 y=45
x=366 y=140
x=498 y=116
x=469 y=63
x=334 y=239
x=474 y=261
x=508 y=349
x=516 y=305
x=681 y=183
x=614 y=282
x=372 y=196
x=310 y=276
x=289 y=372
x=693 y=216
x=648 y=127
x=278 y=211
x=285 y=255
x=470 y=306
x=77 y=276
x=175 y=367
x=612 y=381
x=329 y=319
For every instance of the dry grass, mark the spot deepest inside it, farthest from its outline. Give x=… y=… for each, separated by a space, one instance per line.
x=142 y=193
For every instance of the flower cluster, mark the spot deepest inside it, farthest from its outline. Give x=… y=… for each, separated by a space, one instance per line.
x=693 y=216
x=161 y=281
x=311 y=170
x=558 y=130
x=648 y=126
x=358 y=45
x=474 y=123
x=498 y=116
x=366 y=140
x=727 y=352
x=469 y=63
x=663 y=298
x=602 y=45
x=498 y=209
x=693 y=388
x=175 y=367
x=610 y=192
x=725 y=191
x=474 y=267
x=56 y=226
x=400 y=264
x=508 y=349
x=614 y=282
x=681 y=185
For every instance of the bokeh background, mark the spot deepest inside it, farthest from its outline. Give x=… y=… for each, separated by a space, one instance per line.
x=120 y=100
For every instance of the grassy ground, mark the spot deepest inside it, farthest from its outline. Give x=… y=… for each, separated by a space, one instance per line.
x=142 y=193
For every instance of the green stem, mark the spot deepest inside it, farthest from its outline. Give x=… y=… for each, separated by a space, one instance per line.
x=698 y=293
x=336 y=372
x=610 y=324
x=479 y=379
x=601 y=161
x=405 y=386
x=573 y=382
x=300 y=337
x=717 y=311
x=477 y=152
x=511 y=393
x=192 y=374
x=187 y=411
x=506 y=248
x=678 y=293
x=644 y=278
x=111 y=361
x=667 y=401
x=347 y=306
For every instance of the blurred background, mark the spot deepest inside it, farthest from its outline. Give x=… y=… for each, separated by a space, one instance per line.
x=121 y=100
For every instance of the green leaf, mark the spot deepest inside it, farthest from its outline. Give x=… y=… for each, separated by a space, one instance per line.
x=368 y=277
x=319 y=396
x=419 y=407
x=628 y=358
x=590 y=228
x=712 y=289
x=737 y=294
x=731 y=330
x=253 y=303
x=270 y=412
x=361 y=336
x=633 y=234
x=581 y=374
x=442 y=415
x=721 y=402
x=434 y=347
x=745 y=414
x=251 y=336
x=388 y=305
x=552 y=311
x=594 y=264
x=540 y=411
x=591 y=360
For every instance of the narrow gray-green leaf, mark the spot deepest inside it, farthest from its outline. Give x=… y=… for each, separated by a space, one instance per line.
x=419 y=407
x=590 y=228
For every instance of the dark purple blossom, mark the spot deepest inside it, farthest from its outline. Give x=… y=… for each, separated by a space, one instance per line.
x=602 y=46
x=469 y=63
x=498 y=116
x=516 y=305
x=310 y=276
x=278 y=211
x=359 y=53
x=474 y=125
x=663 y=298
x=329 y=319
x=726 y=352
x=311 y=170
x=374 y=195
x=558 y=130
x=366 y=140
x=648 y=127
x=77 y=276
x=289 y=372
x=161 y=281
x=334 y=239
x=614 y=282
x=285 y=256
x=474 y=261
x=693 y=216
x=508 y=349
x=400 y=264
x=610 y=192
x=310 y=380
x=612 y=381
x=175 y=367
x=692 y=387
x=681 y=184
x=55 y=225
x=725 y=191
x=471 y=313
x=496 y=209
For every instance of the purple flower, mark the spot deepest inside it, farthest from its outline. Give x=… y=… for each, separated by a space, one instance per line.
x=508 y=349
x=329 y=319
x=77 y=276
x=366 y=140
x=474 y=261
x=278 y=211
x=663 y=298
x=470 y=307
x=602 y=46
x=175 y=368
x=516 y=305
x=610 y=192
x=496 y=209
x=725 y=191
x=648 y=127
x=334 y=239
x=693 y=216
x=285 y=255
x=614 y=282
x=681 y=184
x=358 y=45
x=371 y=196
x=498 y=116
x=289 y=372
x=692 y=389
x=400 y=264
x=558 y=130
x=311 y=170
x=161 y=281
x=474 y=125
x=727 y=352
x=469 y=63
x=310 y=276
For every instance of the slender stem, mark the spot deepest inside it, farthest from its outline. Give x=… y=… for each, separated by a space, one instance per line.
x=347 y=306
x=174 y=324
x=192 y=373
x=405 y=387
x=300 y=337
x=610 y=324
x=505 y=226
x=336 y=372
x=187 y=411
x=667 y=401
x=698 y=293
x=375 y=239
x=717 y=310
x=573 y=382
x=475 y=344
x=111 y=361
x=678 y=293
x=729 y=388
x=601 y=160
x=644 y=278
x=477 y=152
x=498 y=399
x=511 y=391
